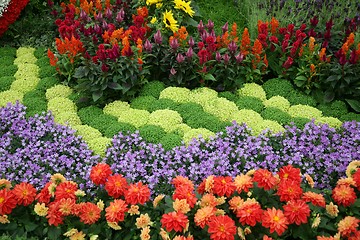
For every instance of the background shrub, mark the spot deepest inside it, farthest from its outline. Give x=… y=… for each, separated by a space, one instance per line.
x=247 y=102
x=152 y=88
x=170 y=140
x=5 y=82
x=277 y=115
x=143 y=102
x=8 y=70
x=47 y=82
x=152 y=133
x=277 y=87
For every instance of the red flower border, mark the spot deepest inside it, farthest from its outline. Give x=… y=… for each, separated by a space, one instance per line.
x=13 y=11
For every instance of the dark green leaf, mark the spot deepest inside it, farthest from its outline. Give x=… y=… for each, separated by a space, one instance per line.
x=54 y=233
x=114 y=85
x=96 y=95
x=332 y=78
x=300 y=81
x=329 y=96
x=209 y=77
x=354 y=104
x=81 y=72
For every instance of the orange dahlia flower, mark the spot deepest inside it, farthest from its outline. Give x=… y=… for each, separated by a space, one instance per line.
x=100 y=173
x=344 y=195
x=7 y=201
x=297 y=212
x=222 y=228
x=25 y=193
x=115 y=212
x=137 y=194
x=116 y=185
x=275 y=220
x=176 y=221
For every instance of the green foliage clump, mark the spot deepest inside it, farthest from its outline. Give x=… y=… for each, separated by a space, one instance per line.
x=8 y=70
x=58 y=91
x=338 y=108
x=27 y=70
x=203 y=95
x=34 y=104
x=331 y=121
x=296 y=97
x=25 y=84
x=206 y=120
x=87 y=114
x=300 y=122
x=115 y=108
x=228 y=95
x=6 y=60
x=46 y=71
x=221 y=108
x=143 y=102
x=59 y=105
x=67 y=118
x=252 y=90
x=101 y=122
x=8 y=51
x=170 y=140
x=267 y=125
x=165 y=118
x=152 y=133
x=304 y=111
x=196 y=133
x=277 y=102
x=115 y=128
x=26 y=58
x=23 y=51
x=136 y=117
x=87 y=132
x=99 y=145
x=276 y=114
x=187 y=110
x=181 y=129
x=40 y=53
x=351 y=116
x=10 y=96
x=277 y=87
x=246 y=116
x=47 y=82
x=177 y=94
x=163 y=103
x=35 y=94
x=79 y=100
x=5 y=82
x=247 y=102
x=152 y=88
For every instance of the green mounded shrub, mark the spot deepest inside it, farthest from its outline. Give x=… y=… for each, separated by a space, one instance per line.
x=252 y=90
x=152 y=88
x=10 y=96
x=331 y=121
x=181 y=129
x=59 y=105
x=187 y=110
x=26 y=58
x=221 y=108
x=58 y=91
x=25 y=84
x=5 y=82
x=115 y=128
x=87 y=114
x=40 y=52
x=267 y=125
x=46 y=71
x=206 y=120
x=247 y=116
x=276 y=114
x=115 y=108
x=338 y=108
x=296 y=97
x=47 y=82
x=170 y=140
x=8 y=51
x=34 y=103
x=152 y=133
x=203 y=95
x=229 y=96
x=8 y=70
x=87 y=132
x=36 y=93
x=163 y=103
x=165 y=118
x=24 y=51
x=277 y=102
x=304 y=111
x=177 y=94
x=277 y=87
x=43 y=62
x=196 y=133
x=6 y=60
x=253 y=103
x=136 y=117
x=67 y=118
x=143 y=102
x=101 y=122
x=300 y=121
x=7 y=237
x=350 y=117
x=27 y=70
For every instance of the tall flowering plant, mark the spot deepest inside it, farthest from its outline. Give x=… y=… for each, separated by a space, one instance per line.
x=255 y=205
x=9 y=12
x=100 y=45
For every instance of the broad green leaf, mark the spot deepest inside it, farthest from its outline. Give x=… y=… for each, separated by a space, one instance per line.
x=354 y=104
x=96 y=95
x=114 y=85
x=209 y=77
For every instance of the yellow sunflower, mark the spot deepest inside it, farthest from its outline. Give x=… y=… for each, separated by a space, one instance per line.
x=185 y=6
x=170 y=21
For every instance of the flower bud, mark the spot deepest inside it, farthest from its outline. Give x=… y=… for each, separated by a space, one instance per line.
x=226 y=58
x=172 y=71
x=83 y=15
x=225 y=28
x=97 y=29
x=99 y=17
x=191 y=42
x=108 y=13
x=239 y=57
x=104 y=25
x=158 y=37
x=180 y=58
x=104 y=67
x=120 y=16
x=200 y=27
x=174 y=44
x=218 y=56
x=210 y=25
x=189 y=53
x=148 y=46
x=232 y=46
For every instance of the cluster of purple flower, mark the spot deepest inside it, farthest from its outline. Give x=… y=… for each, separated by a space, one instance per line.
x=318 y=150
x=33 y=149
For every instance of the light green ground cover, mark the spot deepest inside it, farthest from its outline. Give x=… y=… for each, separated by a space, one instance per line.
x=167 y=115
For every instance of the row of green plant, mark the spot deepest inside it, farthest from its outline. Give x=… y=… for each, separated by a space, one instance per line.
x=110 y=56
